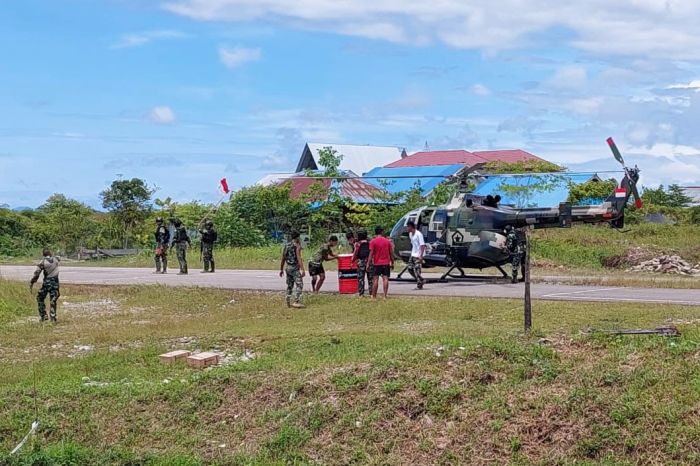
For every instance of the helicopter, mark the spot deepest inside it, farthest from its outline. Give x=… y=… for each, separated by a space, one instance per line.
x=468 y=232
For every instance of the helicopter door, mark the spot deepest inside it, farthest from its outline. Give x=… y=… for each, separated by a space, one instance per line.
x=423 y=225
x=438 y=222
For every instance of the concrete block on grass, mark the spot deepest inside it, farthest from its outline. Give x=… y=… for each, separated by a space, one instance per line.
x=174 y=356
x=202 y=360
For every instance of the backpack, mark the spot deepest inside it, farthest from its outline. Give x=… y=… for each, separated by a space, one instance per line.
x=363 y=250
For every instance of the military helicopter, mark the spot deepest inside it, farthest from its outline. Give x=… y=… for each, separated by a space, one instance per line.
x=468 y=233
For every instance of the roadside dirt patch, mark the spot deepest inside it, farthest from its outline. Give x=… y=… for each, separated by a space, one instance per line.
x=630 y=258
x=92 y=307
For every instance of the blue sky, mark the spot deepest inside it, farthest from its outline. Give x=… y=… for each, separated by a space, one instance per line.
x=183 y=92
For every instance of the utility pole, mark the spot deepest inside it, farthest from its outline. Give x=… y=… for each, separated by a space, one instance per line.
x=528 y=302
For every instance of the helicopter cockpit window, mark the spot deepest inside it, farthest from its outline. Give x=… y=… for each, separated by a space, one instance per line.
x=439 y=220
x=399 y=227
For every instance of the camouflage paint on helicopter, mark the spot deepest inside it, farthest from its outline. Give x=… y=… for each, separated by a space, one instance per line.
x=468 y=232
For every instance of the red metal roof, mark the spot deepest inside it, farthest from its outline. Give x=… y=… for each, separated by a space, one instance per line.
x=352 y=188
x=453 y=157
x=436 y=157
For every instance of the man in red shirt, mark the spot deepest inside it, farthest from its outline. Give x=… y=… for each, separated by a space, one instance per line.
x=381 y=259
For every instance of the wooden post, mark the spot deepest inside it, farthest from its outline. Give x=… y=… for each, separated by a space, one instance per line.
x=528 y=302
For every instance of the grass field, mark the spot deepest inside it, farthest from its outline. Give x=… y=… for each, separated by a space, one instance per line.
x=345 y=381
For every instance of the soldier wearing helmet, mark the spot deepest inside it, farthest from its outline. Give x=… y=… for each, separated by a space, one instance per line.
x=515 y=245
x=209 y=237
x=181 y=241
x=162 y=236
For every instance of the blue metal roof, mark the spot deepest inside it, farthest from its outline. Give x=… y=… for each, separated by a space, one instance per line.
x=550 y=198
x=396 y=185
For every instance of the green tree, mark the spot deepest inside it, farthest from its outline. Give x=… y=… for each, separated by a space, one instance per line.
x=523 y=166
x=677 y=197
x=234 y=230
x=64 y=223
x=591 y=191
x=524 y=188
x=15 y=233
x=329 y=159
x=655 y=196
x=130 y=202
x=270 y=209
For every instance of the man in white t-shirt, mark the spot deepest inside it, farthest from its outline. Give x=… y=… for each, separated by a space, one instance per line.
x=415 y=263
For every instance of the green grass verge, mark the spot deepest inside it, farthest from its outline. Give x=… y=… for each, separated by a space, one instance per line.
x=578 y=250
x=345 y=381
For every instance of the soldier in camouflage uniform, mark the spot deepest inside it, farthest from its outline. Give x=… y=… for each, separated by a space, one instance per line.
x=49 y=286
x=293 y=266
x=209 y=236
x=162 y=236
x=515 y=244
x=181 y=241
x=360 y=255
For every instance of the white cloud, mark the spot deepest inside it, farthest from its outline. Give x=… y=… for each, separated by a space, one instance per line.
x=480 y=90
x=274 y=161
x=162 y=115
x=236 y=56
x=644 y=28
x=137 y=39
x=692 y=85
x=572 y=77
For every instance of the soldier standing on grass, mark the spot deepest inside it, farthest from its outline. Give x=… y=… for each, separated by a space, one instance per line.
x=181 y=242
x=293 y=265
x=515 y=244
x=49 y=286
x=209 y=236
x=162 y=235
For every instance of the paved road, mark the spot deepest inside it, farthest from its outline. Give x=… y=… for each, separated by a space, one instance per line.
x=269 y=280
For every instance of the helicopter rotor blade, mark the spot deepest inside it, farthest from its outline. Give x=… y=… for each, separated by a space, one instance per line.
x=637 y=198
x=616 y=151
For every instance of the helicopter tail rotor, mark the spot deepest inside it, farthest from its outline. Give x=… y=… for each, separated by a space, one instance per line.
x=631 y=174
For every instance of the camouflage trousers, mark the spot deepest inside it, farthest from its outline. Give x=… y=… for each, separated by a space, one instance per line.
x=295 y=285
x=49 y=287
x=363 y=270
x=415 y=268
x=208 y=256
x=161 y=258
x=181 y=250
x=517 y=260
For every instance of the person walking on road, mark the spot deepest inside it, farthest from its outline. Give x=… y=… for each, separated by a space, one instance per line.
x=415 y=262
x=209 y=237
x=181 y=241
x=49 y=267
x=316 y=270
x=293 y=265
x=381 y=259
x=162 y=236
x=360 y=256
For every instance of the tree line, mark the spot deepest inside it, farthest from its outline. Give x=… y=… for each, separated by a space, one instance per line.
x=260 y=215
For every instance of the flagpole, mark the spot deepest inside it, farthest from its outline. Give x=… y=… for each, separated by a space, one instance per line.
x=224 y=187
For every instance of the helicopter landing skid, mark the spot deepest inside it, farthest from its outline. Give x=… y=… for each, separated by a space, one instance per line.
x=453 y=274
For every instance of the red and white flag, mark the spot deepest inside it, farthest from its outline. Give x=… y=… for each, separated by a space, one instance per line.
x=620 y=192
x=224 y=186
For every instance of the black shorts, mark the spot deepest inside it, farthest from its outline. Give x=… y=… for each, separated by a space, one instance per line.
x=316 y=269
x=381 y=270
